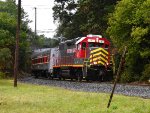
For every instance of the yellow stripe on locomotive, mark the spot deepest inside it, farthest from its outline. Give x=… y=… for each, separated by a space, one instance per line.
x=99 y=49
x=98 y=56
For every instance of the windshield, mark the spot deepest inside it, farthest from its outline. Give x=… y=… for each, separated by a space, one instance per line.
x=93 y=44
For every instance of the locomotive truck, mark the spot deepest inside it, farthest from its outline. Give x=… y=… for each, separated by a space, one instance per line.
x=80 y=58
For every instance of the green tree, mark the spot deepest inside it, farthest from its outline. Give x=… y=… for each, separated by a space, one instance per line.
x=64 y=11
x=95 y=14
x=129 y=25
x=8 y=15
x=5 y=59
x=82 y=17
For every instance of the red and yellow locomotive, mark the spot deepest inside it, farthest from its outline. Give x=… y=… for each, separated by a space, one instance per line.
x=81 y=58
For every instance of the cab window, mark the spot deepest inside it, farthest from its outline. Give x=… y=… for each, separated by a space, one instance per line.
x=78 y=46
x=83 y=45
x=99 y=44
x=93 y=44
x=106 y=46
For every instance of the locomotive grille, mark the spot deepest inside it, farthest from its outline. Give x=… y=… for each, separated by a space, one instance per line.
x=98 y=56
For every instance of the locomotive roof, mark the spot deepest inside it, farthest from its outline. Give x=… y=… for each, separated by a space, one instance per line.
x=41 y=50
x=90 y=35
x=69 y=41
x=80 y=39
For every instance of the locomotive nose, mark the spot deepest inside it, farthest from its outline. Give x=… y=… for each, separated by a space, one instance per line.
x=88 y=51
x=98 y=56
x=92 y=48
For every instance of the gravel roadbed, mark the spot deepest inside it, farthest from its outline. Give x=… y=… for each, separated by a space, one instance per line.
x=129 y=90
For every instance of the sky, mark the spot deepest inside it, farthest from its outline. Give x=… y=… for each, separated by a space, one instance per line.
x=45 y=24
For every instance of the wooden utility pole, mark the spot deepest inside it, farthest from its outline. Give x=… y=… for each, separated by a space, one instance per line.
x=118 y=75
x=17 y=44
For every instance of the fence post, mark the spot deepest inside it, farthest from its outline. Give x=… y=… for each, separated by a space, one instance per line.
x=118 y=76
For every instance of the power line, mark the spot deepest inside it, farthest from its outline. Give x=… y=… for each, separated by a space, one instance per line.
x=45 y=31
x=38 y=6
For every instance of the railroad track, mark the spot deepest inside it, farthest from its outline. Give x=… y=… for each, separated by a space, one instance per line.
x=104 y=87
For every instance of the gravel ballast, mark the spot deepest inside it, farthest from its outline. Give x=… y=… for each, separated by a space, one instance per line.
x=129 y=90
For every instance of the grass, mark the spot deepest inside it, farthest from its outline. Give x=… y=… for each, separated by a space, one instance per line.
x=43 y=99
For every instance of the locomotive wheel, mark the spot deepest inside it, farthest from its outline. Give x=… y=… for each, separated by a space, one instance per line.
x=87 y=79
x=102 y=75
x=110 y=74
x=63 y=78
x=36 y=75
x=59 y=78
x=47 y=75
x=71 y=79
x=79 y=76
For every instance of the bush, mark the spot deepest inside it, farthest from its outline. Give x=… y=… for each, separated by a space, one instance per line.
x=2 y=75
x=5 y=58
x=145 y=73
x=126 y=77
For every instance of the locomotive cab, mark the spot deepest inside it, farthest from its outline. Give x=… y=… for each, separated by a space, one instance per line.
x=81 y=50
x=86 y=44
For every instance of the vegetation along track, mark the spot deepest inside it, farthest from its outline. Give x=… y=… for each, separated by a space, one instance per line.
x=129 y=90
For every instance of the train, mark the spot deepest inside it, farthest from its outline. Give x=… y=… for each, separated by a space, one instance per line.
x=83 y=58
